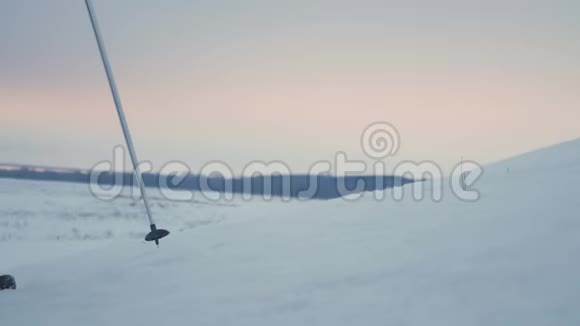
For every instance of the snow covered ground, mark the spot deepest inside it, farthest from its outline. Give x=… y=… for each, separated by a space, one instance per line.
x=508 y=259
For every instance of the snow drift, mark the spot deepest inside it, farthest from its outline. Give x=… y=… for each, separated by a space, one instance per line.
x=507 y=259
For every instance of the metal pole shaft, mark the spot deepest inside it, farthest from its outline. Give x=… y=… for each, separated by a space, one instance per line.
x=119 y=106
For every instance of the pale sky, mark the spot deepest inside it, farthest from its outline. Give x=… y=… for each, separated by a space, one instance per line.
x=294 y=81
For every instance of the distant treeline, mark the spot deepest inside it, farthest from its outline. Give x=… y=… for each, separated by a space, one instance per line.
x=328 y=187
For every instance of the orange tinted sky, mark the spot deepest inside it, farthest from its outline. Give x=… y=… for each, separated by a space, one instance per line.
x=295 y=81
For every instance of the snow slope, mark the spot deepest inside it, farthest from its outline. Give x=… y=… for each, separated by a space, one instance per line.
x=508 y=259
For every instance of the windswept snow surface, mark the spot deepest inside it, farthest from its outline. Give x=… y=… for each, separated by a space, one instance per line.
x=510 y=258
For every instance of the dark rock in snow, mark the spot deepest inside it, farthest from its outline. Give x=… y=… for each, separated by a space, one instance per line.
x=7 y=282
